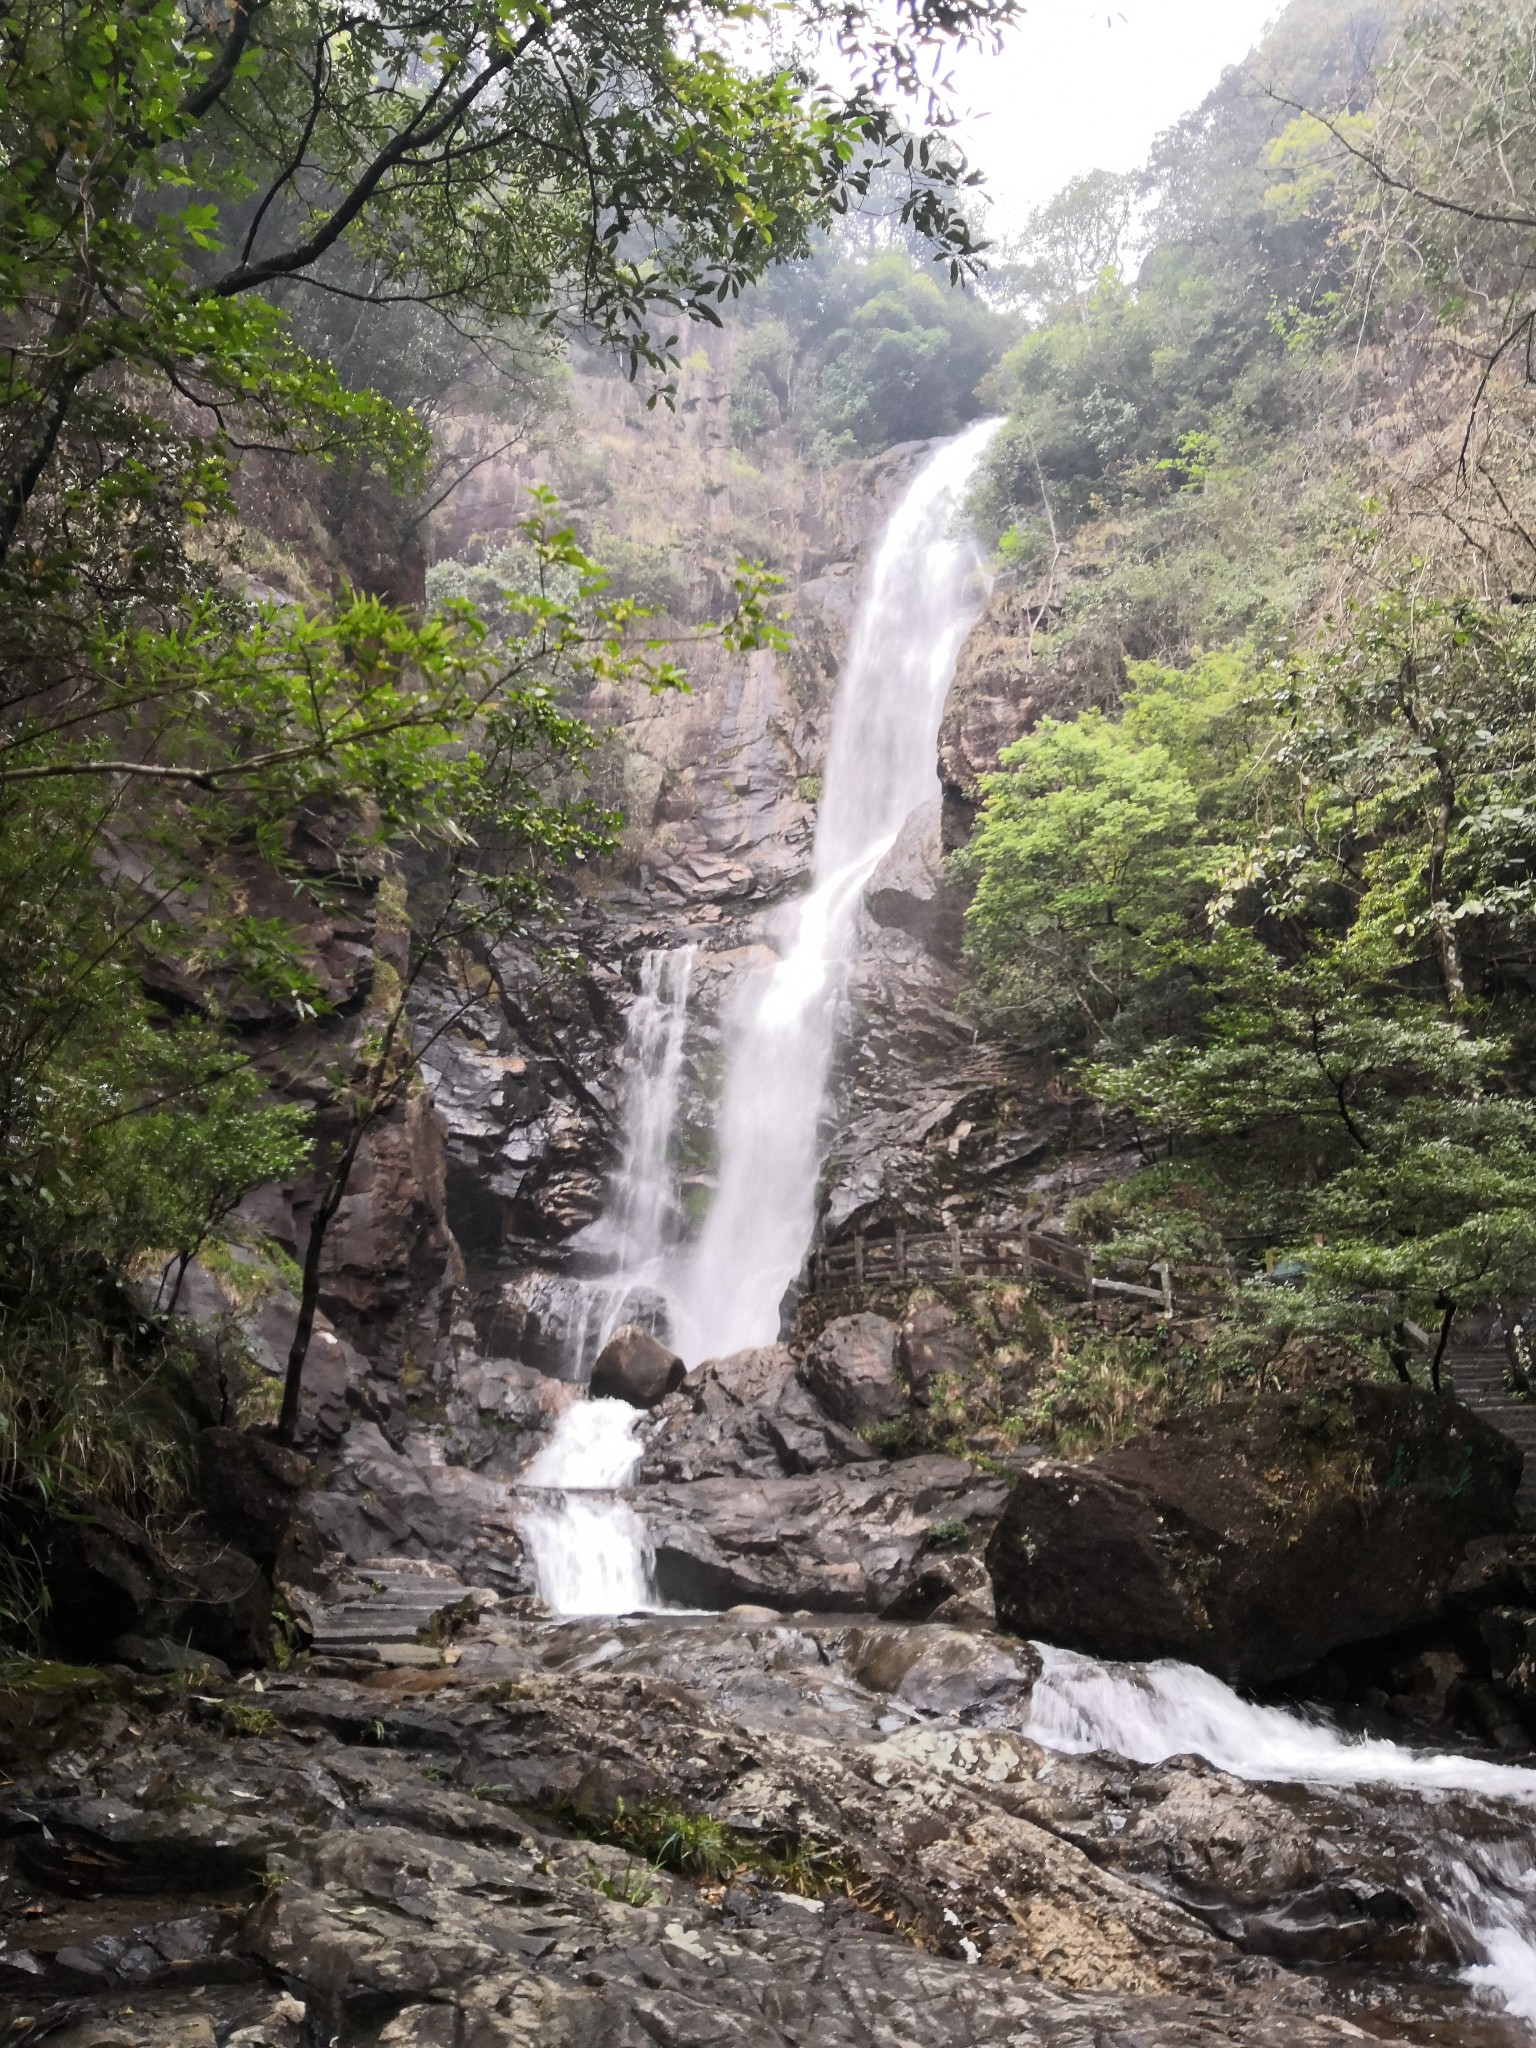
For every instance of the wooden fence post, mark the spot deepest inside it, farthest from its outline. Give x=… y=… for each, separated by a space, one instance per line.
x=955 y=1265
x=858 y=1258
x=1164 y=1273
x=1026 y=1256
x=901 y=1253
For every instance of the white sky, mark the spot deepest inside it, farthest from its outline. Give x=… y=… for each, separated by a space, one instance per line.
x=1081 y=87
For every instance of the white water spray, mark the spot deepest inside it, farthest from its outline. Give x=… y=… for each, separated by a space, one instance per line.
x=587 y=1544
x=641 y=1220
x=1150 y=1712
x=921 y=597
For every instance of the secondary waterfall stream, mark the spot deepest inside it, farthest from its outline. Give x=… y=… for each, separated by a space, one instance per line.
x=587 y=1543
x=921 y=597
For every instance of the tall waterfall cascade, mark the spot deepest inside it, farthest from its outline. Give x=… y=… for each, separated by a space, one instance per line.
x=921 y=596
x=923 y=593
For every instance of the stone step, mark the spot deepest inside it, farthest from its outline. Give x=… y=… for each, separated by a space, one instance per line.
x=366 y=1610
x=1477 y=1377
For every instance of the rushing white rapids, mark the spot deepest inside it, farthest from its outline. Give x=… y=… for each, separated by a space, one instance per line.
x=1486 y=1886
x=921 y=597
x=587 y=1544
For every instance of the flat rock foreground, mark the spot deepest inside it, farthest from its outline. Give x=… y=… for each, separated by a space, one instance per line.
x=671 y=1831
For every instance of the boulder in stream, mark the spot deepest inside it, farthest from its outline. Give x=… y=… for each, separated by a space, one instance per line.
x=1255 y=1537
x=848 y=1540
x=634 y=1367
x=746 y=1414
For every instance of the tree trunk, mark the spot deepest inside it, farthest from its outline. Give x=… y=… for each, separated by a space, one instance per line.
x=309 y=1289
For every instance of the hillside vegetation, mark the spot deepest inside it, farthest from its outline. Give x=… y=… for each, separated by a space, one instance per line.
x=1265 y=879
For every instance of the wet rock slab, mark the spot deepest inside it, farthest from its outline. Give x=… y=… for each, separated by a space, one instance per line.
x=853 y=1537
x=394 y=1863
x=1256 y=1537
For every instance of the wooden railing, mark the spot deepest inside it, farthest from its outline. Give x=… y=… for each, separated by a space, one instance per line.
x=863 y=1261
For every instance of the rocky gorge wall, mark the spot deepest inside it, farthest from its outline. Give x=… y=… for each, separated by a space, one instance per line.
x=465 y=1205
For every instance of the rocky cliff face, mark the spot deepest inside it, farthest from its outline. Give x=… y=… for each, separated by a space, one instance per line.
x=461 y=1221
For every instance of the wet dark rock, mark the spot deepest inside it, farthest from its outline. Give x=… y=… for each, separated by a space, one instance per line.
x=161 y=1655
x=108 y=1578
x=851 y=1371
x=1495 y=1571
x=1509 y=1637
x=1255 y=1537
x=248 y=1487
x=935 y=1341
x=395 y=1855
x=943 y=1670
x=748 y=1415
x=909 y=889
x=536 y=1319
x=952 y=1586
x=412 y=1503
x=632 y=1366
x=851 y=1539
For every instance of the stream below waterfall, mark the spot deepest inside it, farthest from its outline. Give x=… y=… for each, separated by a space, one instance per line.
x=1468 y=1824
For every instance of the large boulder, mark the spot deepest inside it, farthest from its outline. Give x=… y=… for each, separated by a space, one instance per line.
x=909 y=890
x=1255 y=1537
x=632 y=1366
x=109 y=1578
x=851 y=1371
x=249 y=1487
x=747 y=1415
x=847 y=1541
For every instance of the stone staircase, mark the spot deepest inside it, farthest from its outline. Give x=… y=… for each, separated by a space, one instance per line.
x=1476 y=1376
x=391 y=1610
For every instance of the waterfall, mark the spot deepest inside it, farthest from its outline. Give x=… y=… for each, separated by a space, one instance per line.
x=1481 y=1873
x=587 y=1544
x=921 y=596
x=641 y=1219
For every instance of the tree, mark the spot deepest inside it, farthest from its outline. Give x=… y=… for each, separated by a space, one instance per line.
x=1096 y=853
x=179 y=187
x=906 y=361
x=1290 y=911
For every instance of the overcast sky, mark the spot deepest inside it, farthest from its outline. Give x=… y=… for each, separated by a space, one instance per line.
x=1082 y=87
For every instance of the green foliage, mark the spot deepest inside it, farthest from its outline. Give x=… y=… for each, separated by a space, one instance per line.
x=905 y=363
x=1102 y=1389
x=1293 y=911
x=1174 y=459
x=179 y=197
x=1093 y=860
x=629 y=1887
x=240 y=1718
x=697 y=1846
